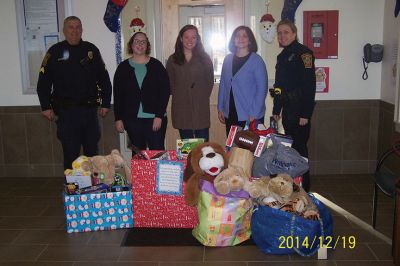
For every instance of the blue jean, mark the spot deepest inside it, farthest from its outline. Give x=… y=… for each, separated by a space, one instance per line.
x=194 y=133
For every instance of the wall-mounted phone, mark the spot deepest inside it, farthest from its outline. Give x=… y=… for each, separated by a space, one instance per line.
x=372 y=53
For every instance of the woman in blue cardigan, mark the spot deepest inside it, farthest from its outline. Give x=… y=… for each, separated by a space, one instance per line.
x=244 y=82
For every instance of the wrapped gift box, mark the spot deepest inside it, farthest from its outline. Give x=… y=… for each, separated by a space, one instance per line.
x=151 y=209
x=99 y=211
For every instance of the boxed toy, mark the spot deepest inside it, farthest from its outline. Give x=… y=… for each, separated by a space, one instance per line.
x=100 y=211
x=185 y=146
x=158 y=200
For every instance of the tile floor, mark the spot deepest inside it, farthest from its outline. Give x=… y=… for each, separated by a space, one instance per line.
x=32 y=231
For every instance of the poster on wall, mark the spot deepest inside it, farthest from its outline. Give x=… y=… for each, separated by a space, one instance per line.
x=322 y=79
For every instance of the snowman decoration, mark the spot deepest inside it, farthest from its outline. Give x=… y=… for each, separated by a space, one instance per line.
x=267 y=28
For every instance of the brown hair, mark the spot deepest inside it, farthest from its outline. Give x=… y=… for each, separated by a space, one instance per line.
x=252 y=40
x=288 y=23
x=198 y=50
x=129 y=45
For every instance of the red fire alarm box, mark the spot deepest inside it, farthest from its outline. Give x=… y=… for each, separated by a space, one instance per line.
x=321 y=33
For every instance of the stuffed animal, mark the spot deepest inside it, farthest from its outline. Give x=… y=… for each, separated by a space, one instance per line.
x=108 y=165
x=292 y=197
x=80 y=166
x=230 y=179
x=235 y=177
x=280 y=192
x=258 y=189
x=204 y=162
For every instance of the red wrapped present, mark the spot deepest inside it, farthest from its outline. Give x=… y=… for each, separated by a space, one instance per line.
x=151 y=209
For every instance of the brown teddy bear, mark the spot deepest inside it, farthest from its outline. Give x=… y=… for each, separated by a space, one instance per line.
x=280 y=192
x=204 y=162
x=238 y=173
x=107 y=165
x=292 y=197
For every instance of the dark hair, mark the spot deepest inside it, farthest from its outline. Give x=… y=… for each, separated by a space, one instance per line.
x=129 y=45
x=290 y=24
x=70 y=18
x=198 y=50
x=252 y=40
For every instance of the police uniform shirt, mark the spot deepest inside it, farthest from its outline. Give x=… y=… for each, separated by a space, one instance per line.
x=70 y=72
x=295 y=80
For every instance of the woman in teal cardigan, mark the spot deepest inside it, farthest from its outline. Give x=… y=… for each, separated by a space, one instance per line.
x=244 y=82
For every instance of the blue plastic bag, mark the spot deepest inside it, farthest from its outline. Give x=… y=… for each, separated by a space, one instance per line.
x=278 y=232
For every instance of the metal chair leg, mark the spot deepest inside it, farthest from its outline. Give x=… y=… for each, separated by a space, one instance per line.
x=374 y=206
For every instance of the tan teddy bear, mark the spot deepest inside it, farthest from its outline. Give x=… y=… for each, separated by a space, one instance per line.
x=258 y=189
x=292 y=197
x=280 y=192
x=235 y=177
x=230 y=179
x=108 y=165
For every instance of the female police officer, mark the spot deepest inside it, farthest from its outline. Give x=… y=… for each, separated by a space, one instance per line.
x=294 y=89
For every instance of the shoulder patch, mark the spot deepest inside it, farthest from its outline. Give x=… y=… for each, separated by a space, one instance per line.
x=307 y=60
x=45 y=59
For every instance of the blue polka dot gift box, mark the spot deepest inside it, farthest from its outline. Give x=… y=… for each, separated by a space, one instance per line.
x=98 y=211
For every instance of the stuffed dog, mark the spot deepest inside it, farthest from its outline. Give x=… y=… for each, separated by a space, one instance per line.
x=204 y=162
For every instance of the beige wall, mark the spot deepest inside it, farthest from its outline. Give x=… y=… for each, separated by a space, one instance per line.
x=391 y=36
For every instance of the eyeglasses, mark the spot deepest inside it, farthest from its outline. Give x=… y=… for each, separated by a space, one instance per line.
x=140 y=42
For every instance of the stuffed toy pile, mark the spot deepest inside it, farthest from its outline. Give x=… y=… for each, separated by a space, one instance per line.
x=280 y=192
x=110 y=169
x=232 y=172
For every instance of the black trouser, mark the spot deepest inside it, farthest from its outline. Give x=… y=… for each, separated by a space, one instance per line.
x=141 y=134
x=300 y=135
x=232 y=119
x=78 y=126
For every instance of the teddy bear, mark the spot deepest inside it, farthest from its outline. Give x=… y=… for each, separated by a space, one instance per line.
x=204 y=162
x=235 y=177
x=110 y=165
x=292 y=197
x=280 y=192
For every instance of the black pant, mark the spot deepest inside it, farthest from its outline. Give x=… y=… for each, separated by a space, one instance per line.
x=232 y=119
x=300 y=135
x=141 y=134
x=78 y=126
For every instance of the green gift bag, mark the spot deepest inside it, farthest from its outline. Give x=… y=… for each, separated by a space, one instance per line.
x=224 y=220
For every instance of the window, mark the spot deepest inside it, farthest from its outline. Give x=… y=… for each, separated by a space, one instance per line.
x=210 y=21
x=38 y=29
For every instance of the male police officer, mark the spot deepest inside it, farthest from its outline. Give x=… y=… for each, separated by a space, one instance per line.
x=73 y=82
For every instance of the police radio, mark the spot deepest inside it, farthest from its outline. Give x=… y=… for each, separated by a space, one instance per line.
x=372 y=53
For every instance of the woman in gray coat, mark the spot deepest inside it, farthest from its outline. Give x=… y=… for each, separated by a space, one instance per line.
x=191 y=77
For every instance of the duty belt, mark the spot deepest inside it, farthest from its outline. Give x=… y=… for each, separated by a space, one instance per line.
x=62 y=102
